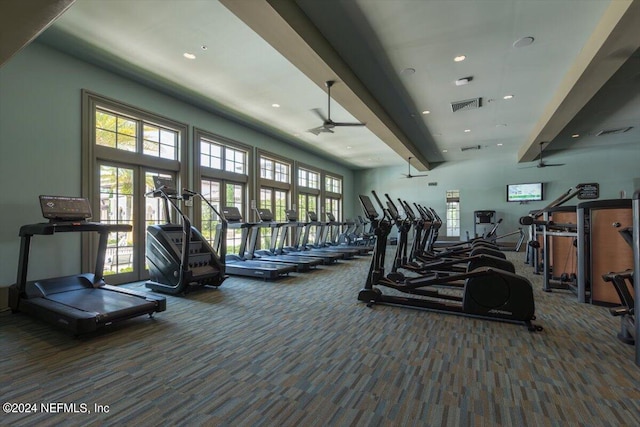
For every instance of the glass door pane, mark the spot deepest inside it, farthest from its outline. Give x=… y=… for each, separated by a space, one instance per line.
x=116 y=207
x=234 y=196
x=211 y=191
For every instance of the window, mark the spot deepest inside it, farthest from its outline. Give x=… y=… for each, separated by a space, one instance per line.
x=223 y=180
x=275 y=188
x=209 y=222
x=216 y=154
x=160 y=142
x=210 y=154
x=333 y=184
x=235 y=160
x=274 y=170
x=308 y=179
x=333 y=196
x=117 y=131
x=116 y=207
x=123 y=148
x=453 y=213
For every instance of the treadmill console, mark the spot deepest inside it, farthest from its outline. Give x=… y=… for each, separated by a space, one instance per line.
x=232 y=214
x=292 y=216
x=60 y=208
x=313 y=217
x=265 y=215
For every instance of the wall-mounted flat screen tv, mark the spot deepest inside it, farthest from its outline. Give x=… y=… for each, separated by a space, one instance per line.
x=530 y=192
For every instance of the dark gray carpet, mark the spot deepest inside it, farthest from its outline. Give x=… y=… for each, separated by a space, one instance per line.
x=303 y=352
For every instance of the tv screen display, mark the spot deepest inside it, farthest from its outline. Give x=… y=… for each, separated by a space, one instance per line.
x=524 y=192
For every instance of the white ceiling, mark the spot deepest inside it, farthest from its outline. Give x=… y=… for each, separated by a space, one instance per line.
x=365 y=45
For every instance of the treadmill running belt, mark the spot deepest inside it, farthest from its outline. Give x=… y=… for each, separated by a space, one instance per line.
x=111 y=304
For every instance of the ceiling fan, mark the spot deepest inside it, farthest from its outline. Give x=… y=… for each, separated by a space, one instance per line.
x=408 y=174
x=541 y=163
x=327 y=123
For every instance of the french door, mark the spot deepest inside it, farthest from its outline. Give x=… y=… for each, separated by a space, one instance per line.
x=121 y=200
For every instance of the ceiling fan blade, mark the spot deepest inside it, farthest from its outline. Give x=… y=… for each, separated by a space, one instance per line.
x=544 y=165
x=318 y=112
x=348 y=124
x=317 y=131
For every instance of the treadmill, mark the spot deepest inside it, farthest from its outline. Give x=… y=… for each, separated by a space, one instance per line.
x=333 y=237
x=80 y=303
x=321 y=237
x=238 y=264
x=294 y=226
x=302 y=263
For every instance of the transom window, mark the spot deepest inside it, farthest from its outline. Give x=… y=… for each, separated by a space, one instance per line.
x=218 y=156
x=333 y=184
x=274 y=170
x=308 y=179
x=159 y=142
x=118 y=131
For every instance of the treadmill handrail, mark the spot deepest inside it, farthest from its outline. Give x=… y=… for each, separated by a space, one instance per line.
x=48 y=228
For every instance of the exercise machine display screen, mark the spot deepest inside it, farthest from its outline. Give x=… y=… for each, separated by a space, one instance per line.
x=369 y=209
x=61 y=208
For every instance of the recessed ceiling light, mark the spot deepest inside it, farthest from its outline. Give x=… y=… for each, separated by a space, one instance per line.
x=425 y=112
x=575 y=135
x=499 y=144
x=204 y=47
x=445 y=151
x=507 y=97
x=459 y=58
x=408 y=71
x=349 y=147
x=189 y=55
x=275 y=105
x=467 y=130
x=501 y=125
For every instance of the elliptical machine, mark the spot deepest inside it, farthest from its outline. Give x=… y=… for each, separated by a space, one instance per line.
x=488 y=293
x=179 y=258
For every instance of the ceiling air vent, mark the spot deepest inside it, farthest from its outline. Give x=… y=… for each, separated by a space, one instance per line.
x=467 y=104
x=613 y=131
x=471 y=147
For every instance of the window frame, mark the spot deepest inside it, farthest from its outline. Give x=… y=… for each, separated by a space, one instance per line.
x=92 y=155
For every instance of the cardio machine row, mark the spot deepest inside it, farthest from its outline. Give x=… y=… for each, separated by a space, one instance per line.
x=173 y=248
x=472 y=279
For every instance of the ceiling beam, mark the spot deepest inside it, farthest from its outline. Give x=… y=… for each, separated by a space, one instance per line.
x=285 y=27
x=614 y=40
x=22 y=21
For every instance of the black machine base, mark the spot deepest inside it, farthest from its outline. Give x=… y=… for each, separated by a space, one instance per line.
x=80 y=305
x=487 y=294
